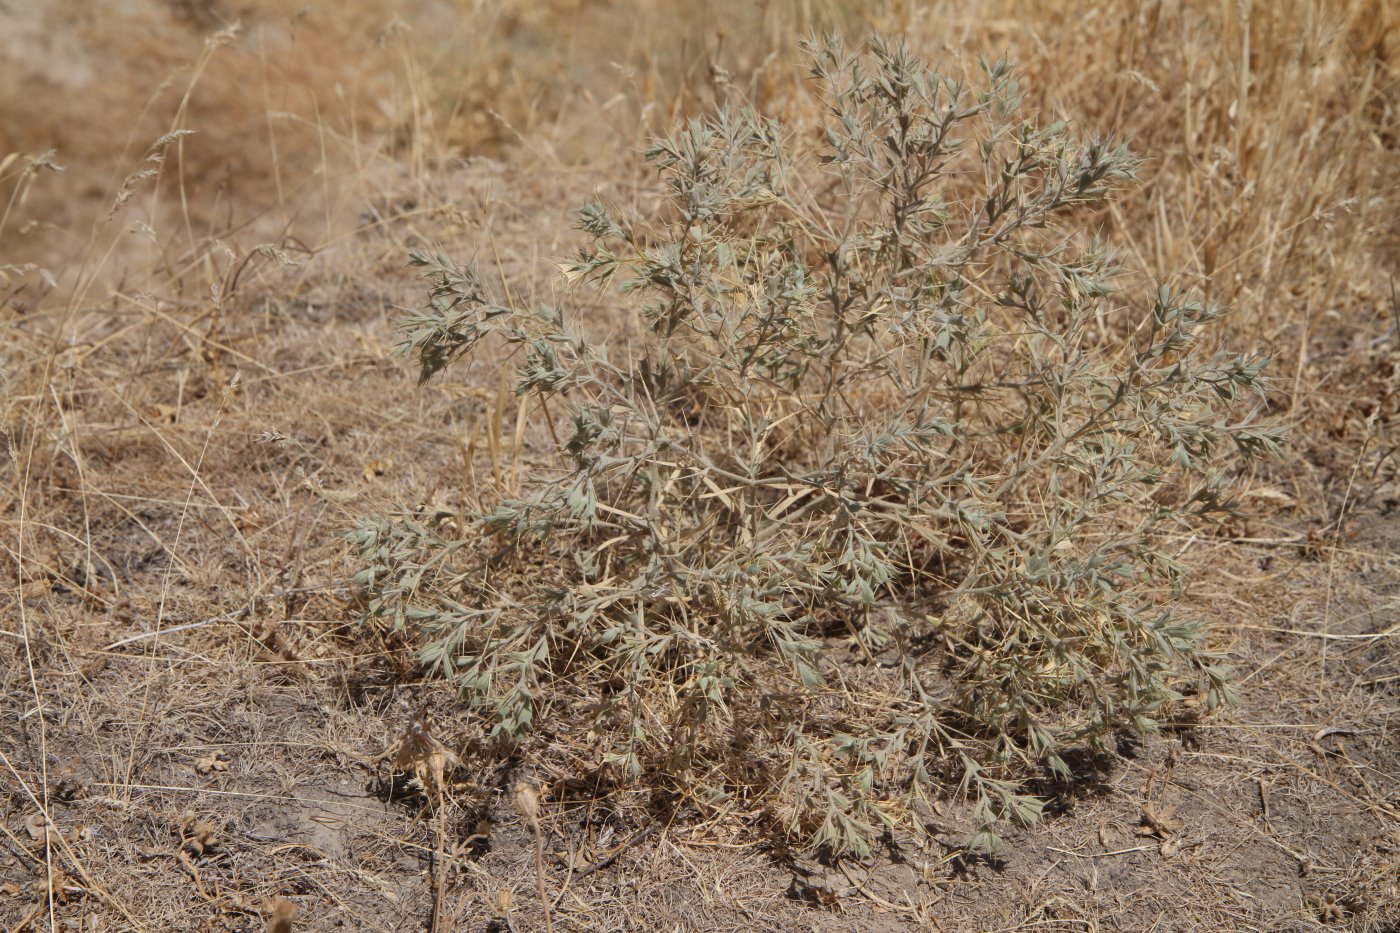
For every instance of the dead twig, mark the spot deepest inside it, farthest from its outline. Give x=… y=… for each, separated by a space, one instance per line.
x=637 y=838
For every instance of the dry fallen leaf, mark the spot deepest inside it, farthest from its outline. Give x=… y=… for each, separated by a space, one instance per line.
x=527 y=801
x=199 y=834
x=417 y=750
x=1329 y=909
x=282 y=914
x=1268 y=492
x=67 y=780
x=58 y=886
x=1162 y=825
x=1330 y=731
x=34 y=825
x=378 y=467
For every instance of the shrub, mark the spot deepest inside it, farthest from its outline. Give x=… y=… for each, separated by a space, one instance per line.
x=877 y=505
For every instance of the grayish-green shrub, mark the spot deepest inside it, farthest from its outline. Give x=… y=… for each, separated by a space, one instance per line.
x=880 y=496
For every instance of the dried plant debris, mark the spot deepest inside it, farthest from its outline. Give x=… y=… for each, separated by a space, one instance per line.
x=418 y=751
x=281 y=916
x=1162 y=823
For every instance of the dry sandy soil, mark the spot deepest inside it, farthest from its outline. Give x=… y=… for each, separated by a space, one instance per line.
x=198 y=732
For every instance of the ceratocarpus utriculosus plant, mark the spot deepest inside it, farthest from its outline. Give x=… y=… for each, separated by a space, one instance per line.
x=880 y=499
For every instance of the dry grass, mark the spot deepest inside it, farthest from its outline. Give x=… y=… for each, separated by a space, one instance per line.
x=198 y=399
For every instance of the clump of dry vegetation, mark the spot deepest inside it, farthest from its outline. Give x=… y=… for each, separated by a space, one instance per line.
x=207 y=210
x=887 y=446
